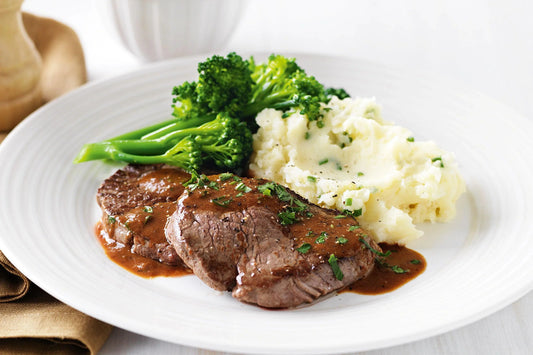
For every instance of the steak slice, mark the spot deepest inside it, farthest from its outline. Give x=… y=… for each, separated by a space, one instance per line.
x=136 y=202
x=266 y=244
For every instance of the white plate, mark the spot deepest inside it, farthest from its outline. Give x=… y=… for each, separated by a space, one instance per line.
x=477 y=264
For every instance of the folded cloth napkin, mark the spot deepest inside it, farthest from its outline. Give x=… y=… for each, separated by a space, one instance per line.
x=31 y=321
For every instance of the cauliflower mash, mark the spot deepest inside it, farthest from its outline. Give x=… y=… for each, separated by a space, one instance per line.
x=358 y=162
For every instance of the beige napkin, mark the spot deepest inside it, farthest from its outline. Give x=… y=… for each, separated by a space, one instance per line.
x=31 y=321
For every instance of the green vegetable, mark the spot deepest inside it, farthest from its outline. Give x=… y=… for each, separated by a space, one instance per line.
x=214 y=116
x=439 y=159
x=415 y=261
x=222 y=201
x=341 y=240
x=304 y=248
x=223 y=141
x=323 y=161
x=378 y=253
x=321 y=238
x=311 y=178
x=335 y=267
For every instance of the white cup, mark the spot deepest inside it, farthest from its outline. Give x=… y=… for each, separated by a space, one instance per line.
x=161 y=29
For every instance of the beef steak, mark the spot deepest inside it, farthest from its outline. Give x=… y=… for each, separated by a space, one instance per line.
x=266 y=244
x=136 y=202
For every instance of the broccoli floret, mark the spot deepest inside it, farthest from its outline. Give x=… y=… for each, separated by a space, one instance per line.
x=224 y=84
x=223 y=140
x=281 y=84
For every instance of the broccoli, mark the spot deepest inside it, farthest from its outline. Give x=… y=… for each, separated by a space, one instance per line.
x=224 y=84
x=281 y=84
x=215 y=115
x=223 y=141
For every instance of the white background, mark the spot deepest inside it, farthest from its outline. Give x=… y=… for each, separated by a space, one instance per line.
x=486 y=45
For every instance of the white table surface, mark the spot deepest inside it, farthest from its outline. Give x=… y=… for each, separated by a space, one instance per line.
x=486 y=45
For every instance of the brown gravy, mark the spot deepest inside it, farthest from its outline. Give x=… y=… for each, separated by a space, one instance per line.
x=134 y=263
x=383 y=278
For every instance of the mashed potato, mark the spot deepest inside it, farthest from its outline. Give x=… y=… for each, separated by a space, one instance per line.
x=359 y=162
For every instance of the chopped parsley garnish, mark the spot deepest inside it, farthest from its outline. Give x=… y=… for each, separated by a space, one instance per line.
x=341 y=240
x=321 y=238
x=304 y=248
x=377 y=252
x=295 y=206
x=307 y=135
x=353 y=228
x=335 y=267
x=410 y=139
x=320 y=124
x=415 y=261
x=225 y=176
x=111 y=220
x=197 y=181
x=287 y=217
x=242 y=187
x=348 y=201
x=360 y=173
x=311 y=178
x=340 y=216
x=222 y=201
x=398 y=270
x=354 y=213
x=439 y=159
x=323 y=161
x=148 y=209
x=310 y=234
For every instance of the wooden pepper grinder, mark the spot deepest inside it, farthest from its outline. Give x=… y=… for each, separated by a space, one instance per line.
x=20 y=67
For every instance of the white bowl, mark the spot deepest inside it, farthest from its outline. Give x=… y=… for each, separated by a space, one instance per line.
x=161 y=29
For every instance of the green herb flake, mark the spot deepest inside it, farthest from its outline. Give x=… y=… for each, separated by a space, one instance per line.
x=240 y=194
x=287 y=217
x=341 y=240
x=335 y=267
x=348 y=201
x=398 y=270
x=438 y=159
x=321 y=238
x=354 y=213
x=339 y=167
x=320 y=124
x=242 y=187
x=378 y=253
x=222 y=201
x=340 y=216
x=415 y=261
x=360 y=173
x=148 y=209
x=307 y=135
x=304 y=248
x=111 y=220
x=225 y=176
x=310 y=234
x=411 y=139
x=323 y=161
x=311 y=178
x=353 y=228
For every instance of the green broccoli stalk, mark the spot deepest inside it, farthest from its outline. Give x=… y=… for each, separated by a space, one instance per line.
x=224 y=141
